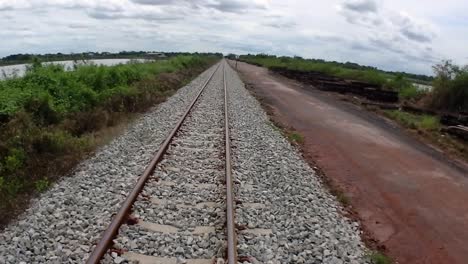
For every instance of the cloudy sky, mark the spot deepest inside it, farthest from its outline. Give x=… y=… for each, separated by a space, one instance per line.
x=408 y=35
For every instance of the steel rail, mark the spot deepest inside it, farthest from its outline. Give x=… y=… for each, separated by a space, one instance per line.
x=230 y=224
x=113 y=229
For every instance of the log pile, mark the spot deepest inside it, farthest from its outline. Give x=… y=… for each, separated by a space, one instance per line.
x=454 y=119
x=459 y=131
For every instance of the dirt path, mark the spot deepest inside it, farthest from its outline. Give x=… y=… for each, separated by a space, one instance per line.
x=412 y=200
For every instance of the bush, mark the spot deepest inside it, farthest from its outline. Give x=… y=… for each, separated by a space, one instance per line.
x=58 y=142
x=410 y=93
x=42 y=185
x=14 y=160
x=450 y=90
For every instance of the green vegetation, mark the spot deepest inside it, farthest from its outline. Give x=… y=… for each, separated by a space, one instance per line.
x=42 y=185
x=295 y=137
x=410 y=92
x=406 y=90
x=393 y=81
x=379 y=258
x=414 y=121
x=450 y=87
x=49 y=118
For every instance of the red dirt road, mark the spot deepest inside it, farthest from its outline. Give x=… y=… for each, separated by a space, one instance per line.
x=406 y=194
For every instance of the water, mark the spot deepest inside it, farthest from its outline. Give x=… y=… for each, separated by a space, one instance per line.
x=423 y=87
x=20 y=69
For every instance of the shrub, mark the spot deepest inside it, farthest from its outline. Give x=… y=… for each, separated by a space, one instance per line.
x=42 y=185
x=14 y=160
x=410 y=93
x=450 y=90
x=58 y=142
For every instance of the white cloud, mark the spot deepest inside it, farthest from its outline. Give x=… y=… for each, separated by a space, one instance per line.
x=399 y=34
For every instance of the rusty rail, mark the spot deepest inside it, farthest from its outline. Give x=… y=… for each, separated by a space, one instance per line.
x=113 y=229
x=231 y=232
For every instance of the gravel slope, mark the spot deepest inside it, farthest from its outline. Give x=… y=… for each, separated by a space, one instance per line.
x=64 y=222
x=279 y=193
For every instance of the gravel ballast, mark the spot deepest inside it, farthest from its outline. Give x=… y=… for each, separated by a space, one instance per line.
x=64 y=222
x=279 y=193
x=191 y=173
x=284 y=213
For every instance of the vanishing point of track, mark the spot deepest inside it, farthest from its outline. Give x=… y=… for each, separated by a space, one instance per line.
x=122 y=216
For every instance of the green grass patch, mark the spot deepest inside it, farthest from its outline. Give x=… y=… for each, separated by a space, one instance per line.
x=379 y=258
x=414 y=121
x=295 y=137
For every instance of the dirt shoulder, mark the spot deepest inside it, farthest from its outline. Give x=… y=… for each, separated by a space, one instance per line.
x=408 y=196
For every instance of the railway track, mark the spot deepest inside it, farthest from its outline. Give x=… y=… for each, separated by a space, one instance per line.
x=181 y=210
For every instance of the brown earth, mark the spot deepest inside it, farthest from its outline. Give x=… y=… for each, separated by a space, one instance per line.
x=410 y=198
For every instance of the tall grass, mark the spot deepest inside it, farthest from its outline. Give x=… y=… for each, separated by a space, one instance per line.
x=48 y=116
x=414 y=121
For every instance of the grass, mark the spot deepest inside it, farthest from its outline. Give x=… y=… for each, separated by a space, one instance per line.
x=379 y=258
x=414 y=121
x=50 y=119
x=295 y=137
x=410 y=93
x=42 y=185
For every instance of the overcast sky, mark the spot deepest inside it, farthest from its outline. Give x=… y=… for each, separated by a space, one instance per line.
x=406 y=35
